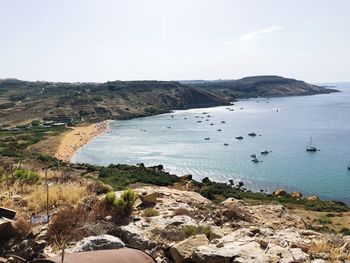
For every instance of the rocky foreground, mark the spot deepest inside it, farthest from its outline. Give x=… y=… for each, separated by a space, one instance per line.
x=183 y=226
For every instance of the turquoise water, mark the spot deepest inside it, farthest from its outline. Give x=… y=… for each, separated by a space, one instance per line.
x=182 y=149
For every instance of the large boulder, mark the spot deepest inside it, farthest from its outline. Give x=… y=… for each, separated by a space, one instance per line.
x=280 y=192
x=97 y=243
x=7 y=230
x=296 y=195
x=182 y=252
x=134 y=236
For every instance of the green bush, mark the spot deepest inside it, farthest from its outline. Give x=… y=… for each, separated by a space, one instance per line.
x=121 y=176
x=126 y=201
x=110 y=198
x=345 y=231
x=195 y=230
x=325 y=220
x=26 y=176
x=150 y=212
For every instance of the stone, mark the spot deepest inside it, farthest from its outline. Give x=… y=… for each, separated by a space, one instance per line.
x=280 y=192
x=133 y=236
x=182 y=220
x=296 y=195
x=7 y=229
x=206 y=180
x=97 y=243
x=186 y=177
x=313 y=198
x=182 y=252
x=149 y=199
x=298 y=255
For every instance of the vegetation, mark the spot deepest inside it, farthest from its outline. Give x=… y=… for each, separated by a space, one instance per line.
x=220 y=191
x=345 y=231
x=150 y=212
x=325 y=220
x=121 y=176
x=189 y=230
x=13 y=143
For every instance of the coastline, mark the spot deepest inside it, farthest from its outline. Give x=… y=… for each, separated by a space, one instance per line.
x=77 y=138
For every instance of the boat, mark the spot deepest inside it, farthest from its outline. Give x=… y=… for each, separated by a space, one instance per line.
x=211 y=124
x=207 y=138
x=226 y=144
x=218 y=130
x=239 y=138
x=253 y=134
x=311 y=148
x=253 y=155
x=349 y=166
x=255 y=160
x=265 y=152
x=231 y=109
x=223 y=121
x=199 y=121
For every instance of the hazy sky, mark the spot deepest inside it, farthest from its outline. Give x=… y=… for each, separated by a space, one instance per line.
x=99 y=40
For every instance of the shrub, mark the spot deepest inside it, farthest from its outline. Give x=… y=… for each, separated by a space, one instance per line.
x=35 y=123
x=126 y=201
x=150 y=212
x=189 y=230
x=325 y=220
x=65 y=225
x=110 y=198
x=59 y=195
x=23 y=227
x=345 y=231
x=237 y=213
x=26 y=177
x=99 y=188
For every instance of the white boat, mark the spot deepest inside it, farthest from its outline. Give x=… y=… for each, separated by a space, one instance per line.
x=311 y=148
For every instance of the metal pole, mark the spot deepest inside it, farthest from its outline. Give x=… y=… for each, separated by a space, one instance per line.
x=47 y=197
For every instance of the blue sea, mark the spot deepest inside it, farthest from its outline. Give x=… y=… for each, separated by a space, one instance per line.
x=283 y=127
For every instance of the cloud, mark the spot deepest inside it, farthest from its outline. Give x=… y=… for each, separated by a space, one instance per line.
x=256 y=34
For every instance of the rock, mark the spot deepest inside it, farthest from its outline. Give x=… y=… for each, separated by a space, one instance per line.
x=182 y=252
x=149 y=199
x=319 y=261
x=299 y=255
x=141 y=165
x=186 y=177
x=313 y=198
x=7 y=230
x=206 y=180
x=324 y=256
x=234 y=251
x=296 y=195
x=133 y=236
x=97 y=243
x=182 y=220
x=280 y=192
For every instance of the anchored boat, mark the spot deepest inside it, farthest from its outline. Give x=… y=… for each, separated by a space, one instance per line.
x=311 y=148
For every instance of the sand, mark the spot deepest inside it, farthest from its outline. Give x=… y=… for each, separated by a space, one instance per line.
x=77 y=138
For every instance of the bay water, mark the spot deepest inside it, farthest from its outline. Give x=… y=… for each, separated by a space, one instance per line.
x=202 y=142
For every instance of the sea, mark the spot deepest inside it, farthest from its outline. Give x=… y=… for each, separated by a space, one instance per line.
x=202 y=142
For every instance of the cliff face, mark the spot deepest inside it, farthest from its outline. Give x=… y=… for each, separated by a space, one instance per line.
x=23 y=101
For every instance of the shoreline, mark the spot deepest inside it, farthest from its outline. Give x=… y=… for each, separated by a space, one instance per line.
x=77 y=138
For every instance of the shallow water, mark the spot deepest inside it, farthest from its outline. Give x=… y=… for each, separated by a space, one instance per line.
x=182 y=149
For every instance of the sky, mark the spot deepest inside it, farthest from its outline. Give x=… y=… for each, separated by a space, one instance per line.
x=105 y=40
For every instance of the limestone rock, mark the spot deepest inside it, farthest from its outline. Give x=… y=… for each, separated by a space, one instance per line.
x=296 y=195
x=182 y=220
x=7 y=230
x=97 y=243
x=280 y=192
x=313 y=198
x=182 y=252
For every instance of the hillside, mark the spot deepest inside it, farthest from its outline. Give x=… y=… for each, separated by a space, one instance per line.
x=23 y=101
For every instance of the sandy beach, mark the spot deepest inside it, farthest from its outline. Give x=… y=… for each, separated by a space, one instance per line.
x=77 y=138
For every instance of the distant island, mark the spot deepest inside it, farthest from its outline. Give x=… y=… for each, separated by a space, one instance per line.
x=22 y=101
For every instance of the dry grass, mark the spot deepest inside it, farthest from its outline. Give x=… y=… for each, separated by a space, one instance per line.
x=59 y=195
x=150 y=212
x=237 y=213
x=332 y=246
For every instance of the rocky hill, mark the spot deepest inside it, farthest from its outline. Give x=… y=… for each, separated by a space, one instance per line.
x=23 y=101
